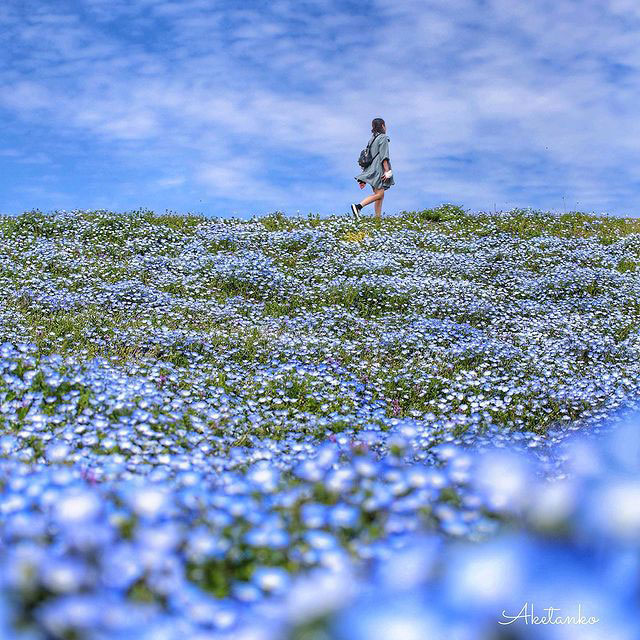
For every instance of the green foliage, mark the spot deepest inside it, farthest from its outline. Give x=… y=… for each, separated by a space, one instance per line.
x=624 y=332
x=625 y=264
x=437 y=214
x=367 y=300
x=34 y=224
x=276 y=221
x=185 y=223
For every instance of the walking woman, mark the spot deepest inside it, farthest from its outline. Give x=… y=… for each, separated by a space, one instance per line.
x=378 y=174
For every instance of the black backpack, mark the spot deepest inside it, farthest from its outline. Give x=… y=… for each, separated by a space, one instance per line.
x=365 y=158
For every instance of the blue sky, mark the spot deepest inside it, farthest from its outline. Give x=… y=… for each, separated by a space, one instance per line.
x=241 y=108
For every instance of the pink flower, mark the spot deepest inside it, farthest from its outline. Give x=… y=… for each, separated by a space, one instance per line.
x=89 y=476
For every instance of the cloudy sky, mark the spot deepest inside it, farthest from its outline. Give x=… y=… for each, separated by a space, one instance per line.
x=238 y=108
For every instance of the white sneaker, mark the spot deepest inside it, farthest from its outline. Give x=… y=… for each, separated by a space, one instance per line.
x=356 y=211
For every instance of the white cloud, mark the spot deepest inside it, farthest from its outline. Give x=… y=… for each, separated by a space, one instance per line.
x=175 y=181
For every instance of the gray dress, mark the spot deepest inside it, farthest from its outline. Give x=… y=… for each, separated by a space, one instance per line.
x=373 y=173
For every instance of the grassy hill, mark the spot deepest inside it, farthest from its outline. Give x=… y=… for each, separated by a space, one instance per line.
x=223 y=405
x=519 y=319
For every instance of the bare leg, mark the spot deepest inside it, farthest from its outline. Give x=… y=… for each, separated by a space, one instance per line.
x=378 y=207
x=377 y=195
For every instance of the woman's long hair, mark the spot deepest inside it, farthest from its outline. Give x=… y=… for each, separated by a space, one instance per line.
x=376 y=125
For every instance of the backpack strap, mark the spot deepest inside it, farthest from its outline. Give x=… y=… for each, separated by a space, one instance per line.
x=373 y=140
x=369 y=145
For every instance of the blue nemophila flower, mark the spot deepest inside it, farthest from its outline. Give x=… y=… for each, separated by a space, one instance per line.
x=343 y=516
x=320 y=540
x=503 y=478
x=390 y=616
x=76 y=507
x=147 y=501
x=314 y=515
x=282 y=422
x=78 y=613
x=264 y=476
x=271 y=579
x=64 y=575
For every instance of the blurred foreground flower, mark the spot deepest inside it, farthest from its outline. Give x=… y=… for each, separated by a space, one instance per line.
x=566 y=564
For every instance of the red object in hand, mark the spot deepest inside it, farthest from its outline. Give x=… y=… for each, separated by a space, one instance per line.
x=361 y=184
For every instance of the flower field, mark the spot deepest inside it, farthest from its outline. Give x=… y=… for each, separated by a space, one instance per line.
x=312 y=428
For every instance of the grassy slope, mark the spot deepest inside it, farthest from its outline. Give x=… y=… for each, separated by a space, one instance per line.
x=99 y=249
